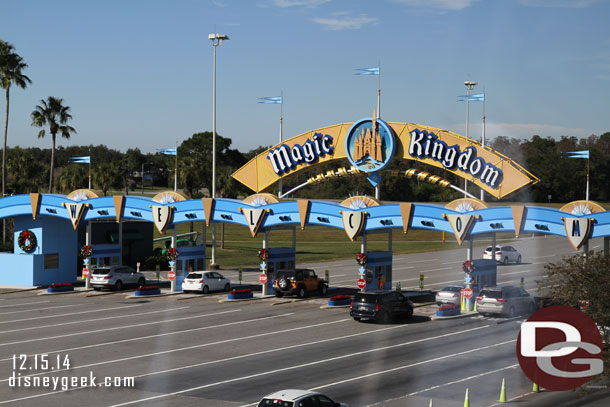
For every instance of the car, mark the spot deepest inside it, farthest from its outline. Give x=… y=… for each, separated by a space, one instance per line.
x=380 y=306
x=205 y=281
x=505 y=300
x=449 y=295
x=298 y=398
x=504 y=254
x=115 y=277
x=299 y=282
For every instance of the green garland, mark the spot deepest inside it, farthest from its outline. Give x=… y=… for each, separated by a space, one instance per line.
x=27 y=241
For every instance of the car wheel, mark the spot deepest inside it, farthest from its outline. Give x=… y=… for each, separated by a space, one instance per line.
x=227 y=287
x=206 y=289
x=505 y=261
x=118 y=285
x=357 y=319
x=511 y=312
x=282 y=282
x=410 y=313
x=279 y=294
x=97 y=288
x=323 y=288
x=301 y=291
x=141 y=282
x=519 y=260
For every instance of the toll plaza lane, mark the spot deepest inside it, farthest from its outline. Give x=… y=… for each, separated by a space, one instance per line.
x=201 y=352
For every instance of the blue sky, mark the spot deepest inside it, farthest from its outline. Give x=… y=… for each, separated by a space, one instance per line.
x=138 y=73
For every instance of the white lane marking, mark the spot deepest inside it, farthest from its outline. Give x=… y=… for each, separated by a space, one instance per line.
x=413 y=364
x=543 y=257
x=516 y=272
x=39 y=309
x=70 y=314
x=404 y=268
x=160 y=352
x=25 y=303
x=301 y=366
x=93 y=320
x=172 y=333
x=111 y=329
x=453 y=262
x=444 y=268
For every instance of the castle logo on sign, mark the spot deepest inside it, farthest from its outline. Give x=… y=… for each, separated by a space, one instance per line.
x=370 y=144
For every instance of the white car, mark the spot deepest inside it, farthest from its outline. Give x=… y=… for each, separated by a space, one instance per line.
x=205 y=281
x=115 y=277
x=298 y=398
x=504 y=254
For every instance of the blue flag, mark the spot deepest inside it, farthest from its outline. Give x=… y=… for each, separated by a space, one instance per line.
x=167 y=151
x=276 y=100
x=367 y=71
x=477 y=97
x=86 y=159
x=577 y=154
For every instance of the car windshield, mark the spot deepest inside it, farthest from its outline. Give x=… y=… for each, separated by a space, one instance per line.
x=194 y=275
x=275 y=403
x=452 y=288
x=491 y=294
x=101 y=271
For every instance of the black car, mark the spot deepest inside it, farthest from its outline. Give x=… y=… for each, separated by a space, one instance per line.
x=380 y=306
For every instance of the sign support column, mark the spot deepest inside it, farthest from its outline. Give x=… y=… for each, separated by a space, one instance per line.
x=172 y=264
x=264 y=264
x=88 y=260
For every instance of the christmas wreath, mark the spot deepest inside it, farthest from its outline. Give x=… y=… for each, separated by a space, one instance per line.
x=468 y=266
x=172 y=254
x=361 y=259
x=263 y=254
x=27 y=240
x=86 y=251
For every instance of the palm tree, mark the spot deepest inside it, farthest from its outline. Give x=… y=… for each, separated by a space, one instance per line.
x=11 y=67
x=105 y=176
x=72 y=177
x=56 y=115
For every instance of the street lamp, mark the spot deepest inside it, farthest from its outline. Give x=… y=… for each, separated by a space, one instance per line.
x=469 y=86
x=217 y=40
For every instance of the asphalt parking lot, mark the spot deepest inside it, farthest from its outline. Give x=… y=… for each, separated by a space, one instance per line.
x=192 y=350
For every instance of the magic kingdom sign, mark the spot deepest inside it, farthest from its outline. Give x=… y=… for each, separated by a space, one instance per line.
x=370 y=144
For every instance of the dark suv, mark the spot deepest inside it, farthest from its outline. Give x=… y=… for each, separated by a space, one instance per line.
x=299 y=282
x=380 y=306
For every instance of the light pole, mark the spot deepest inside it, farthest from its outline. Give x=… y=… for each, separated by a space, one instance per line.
x=469 y=86
x=217 y=40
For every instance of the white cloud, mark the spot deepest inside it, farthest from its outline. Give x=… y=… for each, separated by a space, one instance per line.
x=218 y=3
x=298 y=3
x=345 y=22
x=558 y=3
x=439 y=4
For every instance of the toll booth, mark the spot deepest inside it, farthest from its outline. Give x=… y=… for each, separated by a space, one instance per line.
x=189 y=257
x=42 y=258
x=378 y=274
x=484 y=274
x=280 y=258
x=104 y=255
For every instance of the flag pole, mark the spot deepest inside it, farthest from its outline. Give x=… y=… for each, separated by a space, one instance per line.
x=483 y=139
x=379 y=92
x=279 y=193
x=587 y=195
x=176 y=170
x=89 y=168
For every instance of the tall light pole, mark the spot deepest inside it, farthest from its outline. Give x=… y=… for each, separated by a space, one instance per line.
x=469 y=86
x=217 y=40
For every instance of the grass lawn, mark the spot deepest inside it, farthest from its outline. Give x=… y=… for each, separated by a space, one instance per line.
x=315 y=244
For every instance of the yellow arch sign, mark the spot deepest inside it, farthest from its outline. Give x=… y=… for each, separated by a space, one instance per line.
x=466 y=158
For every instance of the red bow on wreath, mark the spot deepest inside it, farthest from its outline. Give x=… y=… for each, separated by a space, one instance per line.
x=263 y=254
x=361 y=259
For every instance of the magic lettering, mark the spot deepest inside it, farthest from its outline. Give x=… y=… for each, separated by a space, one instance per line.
x=285 y=158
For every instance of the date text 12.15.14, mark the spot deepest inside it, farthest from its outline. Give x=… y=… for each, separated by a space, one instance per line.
x=40 y=361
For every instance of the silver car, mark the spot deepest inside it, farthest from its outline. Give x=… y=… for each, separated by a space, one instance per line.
x=505 y=300
x=449 y=295
x=298 y=398
x=504 y=254
x=115 y=277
